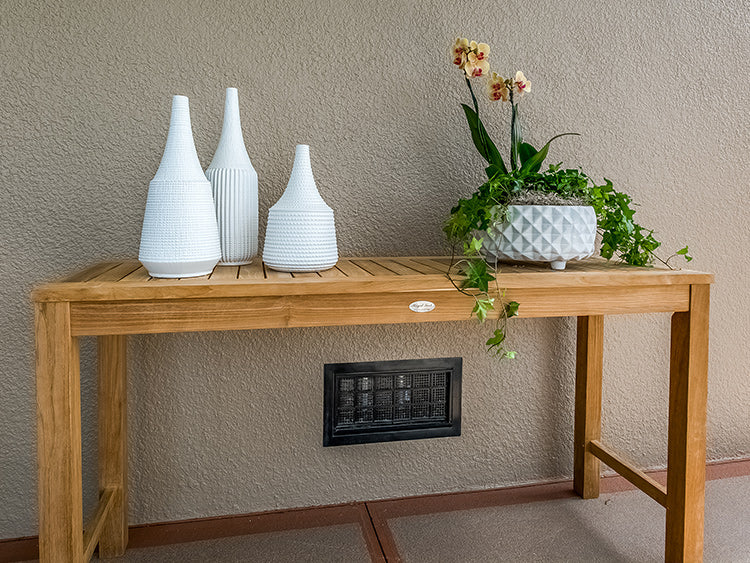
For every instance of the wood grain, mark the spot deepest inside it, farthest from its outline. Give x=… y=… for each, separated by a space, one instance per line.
x=94 y=528
x=352 y=276
x=588 y=404
x=351 y=270
x=373 y=268
x=224 y=273
x=58 y=396
x=139 y=275
x=686 y=459
x=252 y=271
x=640 y=479
x=90 y=272
x=117 y=273
x=275 y=275
x=332 y=273
x=113 y=442
x=243 y=313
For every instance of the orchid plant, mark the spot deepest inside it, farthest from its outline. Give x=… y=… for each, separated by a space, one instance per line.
x=472 y=275
x=473 y=59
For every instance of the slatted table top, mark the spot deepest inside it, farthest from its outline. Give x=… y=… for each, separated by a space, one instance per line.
x=129 y=280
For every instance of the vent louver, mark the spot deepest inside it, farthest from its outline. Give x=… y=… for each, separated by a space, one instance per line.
x=396 y=400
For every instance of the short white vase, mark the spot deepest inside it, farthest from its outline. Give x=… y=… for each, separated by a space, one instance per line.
x=301 y=234
x=179 y=238
x=543 y=233
x=235 y=189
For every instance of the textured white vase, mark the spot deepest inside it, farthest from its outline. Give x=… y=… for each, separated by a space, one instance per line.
x=300 y=235
x=179 y=238
x=543 y=233
x=235 y=188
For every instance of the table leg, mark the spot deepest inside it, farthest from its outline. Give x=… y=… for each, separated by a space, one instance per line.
x=588 y=404
x=58 y=396
x=113 y=438
x=686 y=463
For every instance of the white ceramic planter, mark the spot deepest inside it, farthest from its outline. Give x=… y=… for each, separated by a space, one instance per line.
x=179 y=238
x=235 y=189
x=543 y=233
x=301 y=234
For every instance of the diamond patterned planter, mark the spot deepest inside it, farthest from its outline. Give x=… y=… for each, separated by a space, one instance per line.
x=543 y=233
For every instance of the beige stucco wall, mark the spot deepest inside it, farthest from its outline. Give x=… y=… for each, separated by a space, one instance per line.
x=231 y=422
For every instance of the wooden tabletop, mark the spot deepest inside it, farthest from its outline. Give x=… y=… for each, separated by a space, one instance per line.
x=128 y=280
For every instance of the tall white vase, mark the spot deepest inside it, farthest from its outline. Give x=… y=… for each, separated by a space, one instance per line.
x=235 y=188
x=179 y=238
x=301 y=234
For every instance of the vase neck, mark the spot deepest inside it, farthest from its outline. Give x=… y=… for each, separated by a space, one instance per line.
x=231 y=152
x=301 y=189
x=180 y=159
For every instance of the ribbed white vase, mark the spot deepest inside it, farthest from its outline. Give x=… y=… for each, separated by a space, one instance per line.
x=301 y=234
x=179 y=238
x=235 y=188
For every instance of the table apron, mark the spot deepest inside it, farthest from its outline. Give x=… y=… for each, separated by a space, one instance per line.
x=242 y=313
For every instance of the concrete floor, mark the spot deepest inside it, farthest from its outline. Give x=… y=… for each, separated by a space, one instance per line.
x=616 y=527
x=339 y=544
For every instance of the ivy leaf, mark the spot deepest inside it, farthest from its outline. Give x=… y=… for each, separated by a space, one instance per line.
x=684 y=252
x=482 y=307
x=511 y=309
x=480 y=311
x=534 y=163
x=496 y=340
x=478 y=276
x=482 y=140
x=510 y=354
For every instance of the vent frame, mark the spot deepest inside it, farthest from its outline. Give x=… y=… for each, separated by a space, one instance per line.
x=362 y=391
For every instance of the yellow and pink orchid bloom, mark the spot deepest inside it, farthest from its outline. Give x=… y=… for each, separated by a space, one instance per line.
x=471 y=57
x=520 y=84
x=497 y=88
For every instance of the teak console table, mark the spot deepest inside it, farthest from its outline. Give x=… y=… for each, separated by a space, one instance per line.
x=115 y=299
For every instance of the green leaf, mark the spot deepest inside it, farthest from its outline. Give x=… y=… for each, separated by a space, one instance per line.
x=510 y=354
x=525 y=152
x=480 y=311
x=482 y=140
x=511 y=309
x=493 y=171
x=534 y=163
x=684 y=252
x=477 y=275
x=496 y=340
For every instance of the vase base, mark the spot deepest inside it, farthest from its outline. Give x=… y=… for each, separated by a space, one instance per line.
x=557 y=264
x=177 y=276
x=301 y=269
x=173 y=270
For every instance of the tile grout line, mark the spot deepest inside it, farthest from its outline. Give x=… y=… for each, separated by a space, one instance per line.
x=372 y=538
x=383 y=534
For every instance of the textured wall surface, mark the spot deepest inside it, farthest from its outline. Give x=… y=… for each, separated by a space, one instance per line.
x=225 y=423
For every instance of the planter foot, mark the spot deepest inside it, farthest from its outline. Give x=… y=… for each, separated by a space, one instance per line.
x=557 y=265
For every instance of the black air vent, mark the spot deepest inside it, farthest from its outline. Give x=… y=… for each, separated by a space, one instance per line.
x=386 y=401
